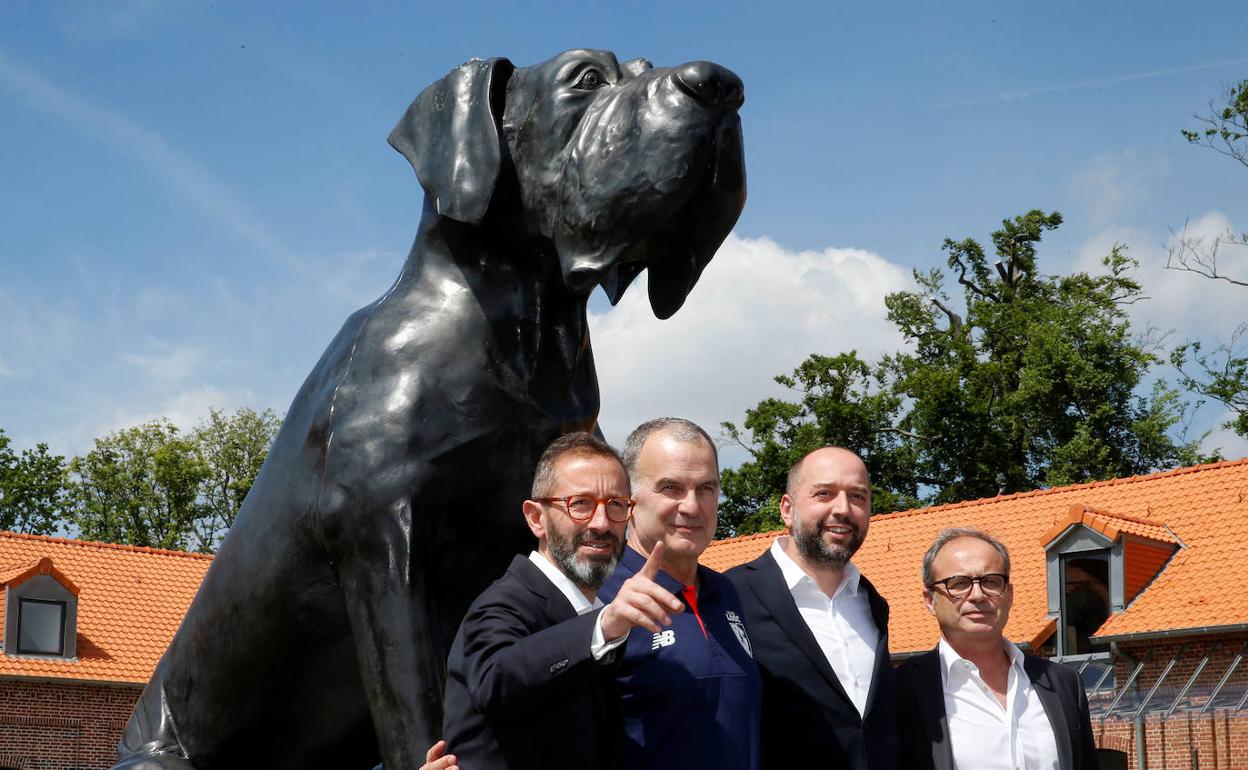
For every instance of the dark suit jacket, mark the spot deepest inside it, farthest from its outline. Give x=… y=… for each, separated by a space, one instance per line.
x=522 y=689
x=925 y=729
x=808 y=718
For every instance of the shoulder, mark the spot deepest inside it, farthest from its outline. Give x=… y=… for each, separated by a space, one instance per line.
x=917 y=666
x=1057 y=672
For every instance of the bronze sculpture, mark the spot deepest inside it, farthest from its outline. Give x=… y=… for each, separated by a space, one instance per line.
x=390 y=497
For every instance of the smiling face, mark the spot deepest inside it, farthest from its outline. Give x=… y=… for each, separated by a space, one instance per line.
x=829 y=507
x=586 y=551
x=627 y=167
x=677 y=493
x=977 y=617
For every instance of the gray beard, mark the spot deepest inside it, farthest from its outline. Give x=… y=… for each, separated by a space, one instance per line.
x=586 y=574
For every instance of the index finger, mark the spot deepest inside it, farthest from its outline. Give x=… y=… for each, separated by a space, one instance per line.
x=651 y=568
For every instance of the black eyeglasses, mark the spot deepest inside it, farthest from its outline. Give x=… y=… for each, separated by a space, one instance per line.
x=959 y=586
x=582 y=507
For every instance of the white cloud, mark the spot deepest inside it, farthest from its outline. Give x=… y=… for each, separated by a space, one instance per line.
x=1232 y=445
x=1185 y=304
x=758 y=311
x=183 y=408
x=1114 y=183
x=167 y=364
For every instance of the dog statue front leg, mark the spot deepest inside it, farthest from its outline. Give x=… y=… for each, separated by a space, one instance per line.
x=397 y=645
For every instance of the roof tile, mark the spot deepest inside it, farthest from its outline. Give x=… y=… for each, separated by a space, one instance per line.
x=1203 y=509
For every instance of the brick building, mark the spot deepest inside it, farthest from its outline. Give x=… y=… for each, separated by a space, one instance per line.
x=1139 y=583
x=83 y=626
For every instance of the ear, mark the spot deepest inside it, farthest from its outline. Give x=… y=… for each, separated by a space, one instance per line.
x=929 y=601
x=533 y=517
x=451 y=136
x=786 y=510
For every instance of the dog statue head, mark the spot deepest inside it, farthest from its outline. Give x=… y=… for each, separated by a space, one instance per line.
x=613 y=168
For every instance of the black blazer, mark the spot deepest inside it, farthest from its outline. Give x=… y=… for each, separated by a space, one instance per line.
x=522 y=689
x=808 y=718
x=925 y=729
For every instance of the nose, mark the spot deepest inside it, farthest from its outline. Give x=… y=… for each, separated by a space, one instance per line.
x=599 y=522
x=716 y=86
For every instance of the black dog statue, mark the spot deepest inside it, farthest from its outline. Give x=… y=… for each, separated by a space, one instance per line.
x=391 y=496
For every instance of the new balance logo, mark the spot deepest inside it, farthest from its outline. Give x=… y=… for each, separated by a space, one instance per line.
x=663 y=639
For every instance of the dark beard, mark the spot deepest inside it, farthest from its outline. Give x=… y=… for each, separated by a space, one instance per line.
x=586 y=574
x=810 y=544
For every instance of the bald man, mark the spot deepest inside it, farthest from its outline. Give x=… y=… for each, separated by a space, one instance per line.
x=819 y=628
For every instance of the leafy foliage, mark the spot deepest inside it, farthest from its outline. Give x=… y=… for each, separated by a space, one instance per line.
x=32 y=489
x=1223 y=373
x=1033 y=386
x=233 y=447
x=139 y=486
x=148 y=485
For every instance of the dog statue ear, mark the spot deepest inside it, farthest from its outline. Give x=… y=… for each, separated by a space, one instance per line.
x=451 y=135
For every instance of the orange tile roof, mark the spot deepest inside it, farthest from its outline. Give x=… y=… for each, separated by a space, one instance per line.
x=1204 y=509
x=130 y=602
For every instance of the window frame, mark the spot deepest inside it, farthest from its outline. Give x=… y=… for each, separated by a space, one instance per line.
x=60 y=651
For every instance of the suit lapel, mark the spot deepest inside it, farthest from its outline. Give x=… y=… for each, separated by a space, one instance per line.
x=1042 y=686
x=879 y=614
x=930 y=695
x=558 y=608
x=771 y=590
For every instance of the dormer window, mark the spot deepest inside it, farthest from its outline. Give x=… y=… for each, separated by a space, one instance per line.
x=40 y=627
x=1098 y=562
x=40 y=610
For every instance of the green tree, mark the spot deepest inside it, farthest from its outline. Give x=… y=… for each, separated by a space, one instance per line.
x=842 y=401
x=140 y=486
x=1030 y=381
x=1223 y=373
x=233 y=447
x=32 y=489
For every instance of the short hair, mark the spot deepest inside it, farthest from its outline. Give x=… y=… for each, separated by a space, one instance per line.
x=795 y=470
x=677 y=427
x=947 y=536
x=581 y=444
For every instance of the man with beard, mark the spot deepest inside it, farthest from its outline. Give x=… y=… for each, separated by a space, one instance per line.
x=819 y=628
x=530 y=678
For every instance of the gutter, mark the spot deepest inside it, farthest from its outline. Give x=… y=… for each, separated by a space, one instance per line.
x=1173 y=632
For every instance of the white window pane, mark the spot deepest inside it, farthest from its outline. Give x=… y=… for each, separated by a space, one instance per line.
x=40 y=625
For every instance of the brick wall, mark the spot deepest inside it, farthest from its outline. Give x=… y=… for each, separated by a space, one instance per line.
x=1213 y=741
x=54 y=726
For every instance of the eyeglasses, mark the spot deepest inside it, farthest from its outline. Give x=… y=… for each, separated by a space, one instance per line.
x=959 y=586
x=582 y=507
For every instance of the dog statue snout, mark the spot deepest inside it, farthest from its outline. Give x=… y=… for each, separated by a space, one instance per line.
x=716 y=86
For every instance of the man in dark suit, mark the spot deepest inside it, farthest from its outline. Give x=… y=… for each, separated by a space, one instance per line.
x=530 y=678
x=977 y=702
x=819 y=628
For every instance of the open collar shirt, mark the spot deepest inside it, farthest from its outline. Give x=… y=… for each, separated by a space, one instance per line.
x=598 y=646
x=983 y=734
x=842 y=625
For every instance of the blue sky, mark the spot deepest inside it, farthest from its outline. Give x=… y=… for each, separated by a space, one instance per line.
x=195 y=196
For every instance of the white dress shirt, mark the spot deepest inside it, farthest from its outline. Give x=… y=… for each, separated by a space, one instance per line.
x=842 y=625
x=598 y=646
x=983 y=734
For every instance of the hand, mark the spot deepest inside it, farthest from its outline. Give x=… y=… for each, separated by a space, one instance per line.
x=434 y=759
x=641 y=602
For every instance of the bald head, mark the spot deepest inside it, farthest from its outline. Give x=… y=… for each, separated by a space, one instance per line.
x=836 y=454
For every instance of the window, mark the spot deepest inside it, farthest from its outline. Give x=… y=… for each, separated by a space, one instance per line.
x=1085 y=601
x=40 y=627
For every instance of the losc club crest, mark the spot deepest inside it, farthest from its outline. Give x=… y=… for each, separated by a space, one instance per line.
x=738 y=628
